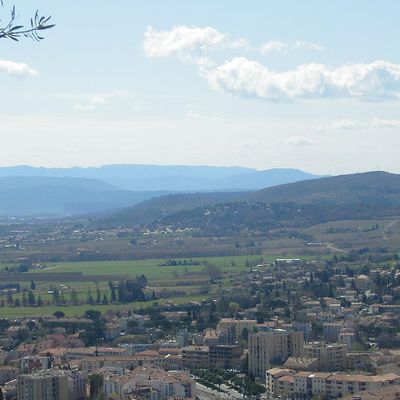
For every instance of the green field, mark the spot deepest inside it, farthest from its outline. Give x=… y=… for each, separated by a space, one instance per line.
x=150 y=268
x=187 y=279
x=77 y=311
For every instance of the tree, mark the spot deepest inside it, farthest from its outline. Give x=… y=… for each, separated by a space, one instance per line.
x=10 y=299
x=213 y=272
x=131 y=325
x=31 y=298
x=74 y=297
x=56 y=296
x=59 y=314
x=96 y=385
x=94 y=315
x=98 y=295
x=95 y=331
x=14 y=31
x=24 y=300
x=90 y=299
x=113 y=294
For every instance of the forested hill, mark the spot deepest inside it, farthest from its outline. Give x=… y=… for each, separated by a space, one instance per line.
x=364 y=188
x=157 y=208
x=356 y=196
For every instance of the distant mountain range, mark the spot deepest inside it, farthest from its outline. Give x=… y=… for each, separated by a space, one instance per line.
x=55 y=197
x=169 y=178
x=224 y=209
x=30 y=191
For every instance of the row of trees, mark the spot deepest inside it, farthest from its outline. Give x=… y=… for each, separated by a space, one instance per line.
x=27 y=300
x=125 y=292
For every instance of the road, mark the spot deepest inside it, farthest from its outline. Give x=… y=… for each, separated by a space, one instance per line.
x=205 y=393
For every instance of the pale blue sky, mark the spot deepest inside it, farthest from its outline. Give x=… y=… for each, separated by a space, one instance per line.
x=98 y=91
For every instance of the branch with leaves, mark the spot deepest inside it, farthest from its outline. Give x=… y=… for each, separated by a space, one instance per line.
x=14 y=31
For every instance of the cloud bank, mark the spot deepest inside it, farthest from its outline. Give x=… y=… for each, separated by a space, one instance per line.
x=242 y=77
x=246 y=78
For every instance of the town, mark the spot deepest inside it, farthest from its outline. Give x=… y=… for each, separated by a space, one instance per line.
x=199 y=200
x=290 y=329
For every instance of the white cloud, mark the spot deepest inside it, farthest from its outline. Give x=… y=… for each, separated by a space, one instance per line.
x=17 y=69
x=284 y=47
x=188 y=43
x=246 y=78
x=349 y=125
x=385 y=123
x=297 y=141
x=300 y=44
x=274 y=46
x=353 y=124
x=99 y=99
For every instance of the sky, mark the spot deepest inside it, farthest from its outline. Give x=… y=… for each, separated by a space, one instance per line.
x=313 y=85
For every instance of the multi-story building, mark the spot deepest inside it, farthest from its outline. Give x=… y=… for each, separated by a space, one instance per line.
x=162 y=384
x=226 y=356
x=331 y=331
x=290 y=385
x=234 y=330
x=330 y=357
x=272 y=346
x=49 y=385
x=34 y=363
x=195 y=357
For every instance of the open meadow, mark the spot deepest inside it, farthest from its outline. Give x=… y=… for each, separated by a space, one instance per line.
x=176 y=281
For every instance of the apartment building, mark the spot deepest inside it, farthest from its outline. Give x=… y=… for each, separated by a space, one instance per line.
x=289 y=384
x=162 y=384
x=272 y=346
x=221 y=356
x=330 y=357
x=331 y=331
x=226 y=356
x=232 y=330
x=49 y=385
x=195 y=357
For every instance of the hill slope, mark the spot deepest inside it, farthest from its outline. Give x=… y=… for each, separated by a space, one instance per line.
x=364 y=188
x=161 y=207
x=356 y=196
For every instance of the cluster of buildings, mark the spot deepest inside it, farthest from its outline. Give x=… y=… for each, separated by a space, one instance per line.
x=289 y=384
x=305 y=332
